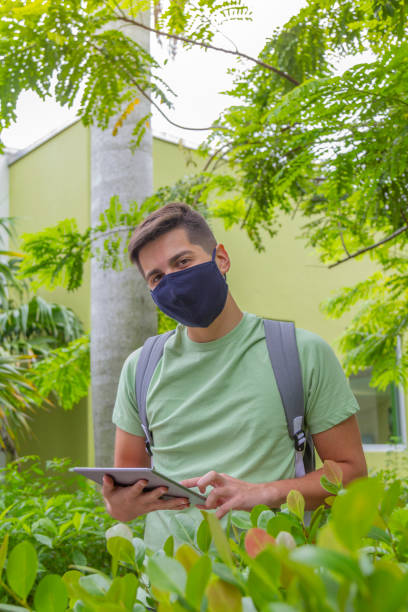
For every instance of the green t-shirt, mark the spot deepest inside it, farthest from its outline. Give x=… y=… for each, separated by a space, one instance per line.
x=216 y=406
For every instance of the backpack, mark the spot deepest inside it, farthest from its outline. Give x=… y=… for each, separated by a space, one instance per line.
x=283 y=352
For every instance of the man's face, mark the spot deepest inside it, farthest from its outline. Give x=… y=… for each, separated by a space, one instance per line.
x=171 y=252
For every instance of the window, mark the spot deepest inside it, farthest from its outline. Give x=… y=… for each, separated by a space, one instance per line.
x=381 y=417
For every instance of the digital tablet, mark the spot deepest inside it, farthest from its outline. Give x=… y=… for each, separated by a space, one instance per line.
x=128 y=476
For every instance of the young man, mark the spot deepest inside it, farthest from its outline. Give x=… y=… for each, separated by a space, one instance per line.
x=213 y=405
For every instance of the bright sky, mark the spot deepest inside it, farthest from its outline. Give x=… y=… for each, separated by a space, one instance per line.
x=196 y=76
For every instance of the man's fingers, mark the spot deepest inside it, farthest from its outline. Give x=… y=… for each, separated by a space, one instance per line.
x=136 y=489
x=217 y=497
x=190 y=482
x=213 y=479
x=225 y=508
x=178 y=503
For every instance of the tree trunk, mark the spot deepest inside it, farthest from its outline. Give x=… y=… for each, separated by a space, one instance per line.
x=122 y=312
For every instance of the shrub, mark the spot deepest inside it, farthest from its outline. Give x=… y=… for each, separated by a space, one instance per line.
x=353 y=555
x=59 y=513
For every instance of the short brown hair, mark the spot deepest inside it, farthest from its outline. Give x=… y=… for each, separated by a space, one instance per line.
x=167 y=218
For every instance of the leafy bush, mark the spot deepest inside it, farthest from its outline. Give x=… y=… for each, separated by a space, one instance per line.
x=57 y=512
x=352 y=555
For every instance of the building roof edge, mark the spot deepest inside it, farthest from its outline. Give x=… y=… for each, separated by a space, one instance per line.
x=14 y=155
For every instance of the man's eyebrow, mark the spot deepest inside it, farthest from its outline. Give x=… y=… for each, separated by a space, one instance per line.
x=171 y=261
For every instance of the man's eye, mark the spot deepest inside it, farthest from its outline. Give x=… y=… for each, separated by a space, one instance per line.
x=156 y=279
x=184 y=261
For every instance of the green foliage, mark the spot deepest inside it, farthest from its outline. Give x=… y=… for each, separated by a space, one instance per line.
x=65 y=372
x=357 y=561
x=57 y=255
x=301 y=137
x=36 y=326
x=61 y=515
x=31 y=327
x=18 y=400
x=74 y=43
x=371 y=339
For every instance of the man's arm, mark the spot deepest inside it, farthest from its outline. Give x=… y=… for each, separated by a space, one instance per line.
x=126 y=503
x=341 y=443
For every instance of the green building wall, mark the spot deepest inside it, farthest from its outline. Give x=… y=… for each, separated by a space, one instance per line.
x=52 y=182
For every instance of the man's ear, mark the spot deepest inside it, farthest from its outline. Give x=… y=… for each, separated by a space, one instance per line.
x=222 y=259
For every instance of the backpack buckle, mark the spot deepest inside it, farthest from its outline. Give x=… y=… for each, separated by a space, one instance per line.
x=300 y=440
x=148 y=449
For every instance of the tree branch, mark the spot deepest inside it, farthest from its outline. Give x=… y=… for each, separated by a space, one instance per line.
x=401 y=230
x=284 y=75
x=153 y=103
x=342 y=239
x=177 y=125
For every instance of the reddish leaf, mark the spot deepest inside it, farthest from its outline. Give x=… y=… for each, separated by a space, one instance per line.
x=256 y=540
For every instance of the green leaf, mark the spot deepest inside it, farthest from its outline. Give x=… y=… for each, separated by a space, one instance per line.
x=140 y=551
x=315 y=522
x=263 y=580
x=71 y=581
x=390 y=499
x=121 y=550
x=223 y=596
x=219 y=537
x=183 y=528
x=264 y=518
x=345 y=567
x=197 y=581
x=241 y=519
x=51 y=594
x=281 y=522
x=95 y=584
x=329 y=486
x=120 y=530
x=353 y=513
x=43 y=539
x=379 y=535
x=22 y=568
x=168 y=546
x=203 y=536
x=187 y=556
x=296 y=504
x=167 y=574
x=123 y=590
x=256 y=511
x=3 y=552
x=228 y=574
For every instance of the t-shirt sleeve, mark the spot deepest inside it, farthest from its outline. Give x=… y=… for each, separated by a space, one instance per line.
x=328 y=396
x=125 y=413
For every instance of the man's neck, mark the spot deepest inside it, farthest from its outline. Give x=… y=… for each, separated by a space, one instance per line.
x=229 y=318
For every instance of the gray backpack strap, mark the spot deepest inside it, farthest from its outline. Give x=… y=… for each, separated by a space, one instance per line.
x=149 y=358
x=284 y=355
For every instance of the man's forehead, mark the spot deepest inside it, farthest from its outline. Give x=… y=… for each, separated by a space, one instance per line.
x=160 y=252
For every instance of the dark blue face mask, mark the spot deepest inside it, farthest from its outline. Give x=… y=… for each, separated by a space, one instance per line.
x=194 y=296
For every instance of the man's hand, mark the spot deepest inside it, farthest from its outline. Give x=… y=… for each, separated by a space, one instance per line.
x=230 y=493
x=126 y=503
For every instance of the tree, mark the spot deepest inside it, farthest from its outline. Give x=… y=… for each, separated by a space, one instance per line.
x=306 y=138
x=122 y=315
x=333 y=147
x=77 y=43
